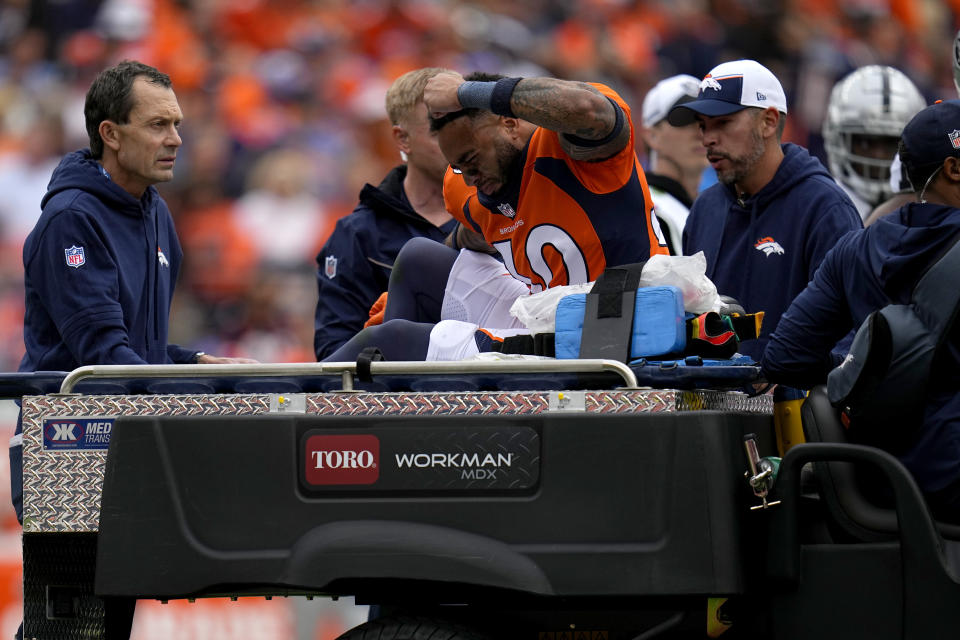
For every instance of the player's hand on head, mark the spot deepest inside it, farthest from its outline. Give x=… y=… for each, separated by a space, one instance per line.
x=440 y=93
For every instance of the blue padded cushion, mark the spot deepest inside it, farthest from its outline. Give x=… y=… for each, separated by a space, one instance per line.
x=658 y=323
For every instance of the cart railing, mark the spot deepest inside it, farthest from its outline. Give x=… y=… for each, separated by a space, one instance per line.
x=347 y=370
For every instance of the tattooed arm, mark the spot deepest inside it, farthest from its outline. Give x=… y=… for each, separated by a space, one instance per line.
x=592 y=127
x=575 y=109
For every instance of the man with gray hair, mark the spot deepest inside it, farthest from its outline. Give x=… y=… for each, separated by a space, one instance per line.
x=102 y=261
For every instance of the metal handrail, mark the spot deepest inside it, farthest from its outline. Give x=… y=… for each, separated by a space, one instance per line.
x=346 y=369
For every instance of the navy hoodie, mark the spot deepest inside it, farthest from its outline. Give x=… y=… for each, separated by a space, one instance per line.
x=100 y=268
x=354 y=265
x=864 y=272
x=764 y=251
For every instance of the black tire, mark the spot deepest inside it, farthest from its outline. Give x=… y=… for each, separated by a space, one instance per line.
x=412 y=628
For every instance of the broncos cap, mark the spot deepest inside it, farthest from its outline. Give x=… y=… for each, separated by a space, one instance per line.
x=731 y=87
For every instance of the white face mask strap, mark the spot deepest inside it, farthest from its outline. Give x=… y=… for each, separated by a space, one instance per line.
x=927 y=184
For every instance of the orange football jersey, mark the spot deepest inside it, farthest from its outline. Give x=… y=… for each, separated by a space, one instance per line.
x=571 y=218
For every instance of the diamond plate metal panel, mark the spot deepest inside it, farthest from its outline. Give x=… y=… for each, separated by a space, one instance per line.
x=731 y=401
x=62 y=488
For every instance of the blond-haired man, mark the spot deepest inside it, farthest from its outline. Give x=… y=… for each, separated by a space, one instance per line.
x=354 y=265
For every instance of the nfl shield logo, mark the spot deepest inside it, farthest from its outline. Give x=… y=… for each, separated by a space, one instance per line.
x=506 y=210
x=955 y=138
x=74 y=256
x=330 y=266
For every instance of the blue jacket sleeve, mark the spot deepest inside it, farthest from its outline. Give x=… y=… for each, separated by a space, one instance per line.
x=83 y=301
x=798 y=353
x=347 y=285
x=830 y=227
x=181 y=355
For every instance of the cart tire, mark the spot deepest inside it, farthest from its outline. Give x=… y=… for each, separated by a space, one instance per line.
x=412 y=628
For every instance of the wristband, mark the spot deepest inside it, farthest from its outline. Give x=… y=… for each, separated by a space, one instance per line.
x=490 y=96
x=475 y=95
x=502 y=92
x=197 y=356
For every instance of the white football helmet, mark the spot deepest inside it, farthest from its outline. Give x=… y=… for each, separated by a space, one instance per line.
x=866 y=114
x=956 y=62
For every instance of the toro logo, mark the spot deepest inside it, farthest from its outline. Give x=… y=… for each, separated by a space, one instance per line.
x=342 y=459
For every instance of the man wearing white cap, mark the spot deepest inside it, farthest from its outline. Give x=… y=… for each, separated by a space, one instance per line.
x=676 y=156
x=776 y=210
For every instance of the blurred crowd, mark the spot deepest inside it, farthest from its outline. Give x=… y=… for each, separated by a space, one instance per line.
x=285 y=122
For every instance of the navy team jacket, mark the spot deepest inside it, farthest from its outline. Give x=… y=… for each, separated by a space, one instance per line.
x=764 y=250
x=99 y=272
x=354 y=265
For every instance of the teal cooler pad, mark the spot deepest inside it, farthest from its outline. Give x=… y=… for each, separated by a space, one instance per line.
x=658 y=323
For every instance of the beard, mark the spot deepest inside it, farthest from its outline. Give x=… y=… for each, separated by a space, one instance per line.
x=742 y=166
x=509 y=164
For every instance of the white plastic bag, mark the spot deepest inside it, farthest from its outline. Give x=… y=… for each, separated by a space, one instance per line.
x=538 y=312
x=687 y=273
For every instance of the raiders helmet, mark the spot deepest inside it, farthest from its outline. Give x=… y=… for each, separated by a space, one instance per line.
x=956 y=62
x=866 y=114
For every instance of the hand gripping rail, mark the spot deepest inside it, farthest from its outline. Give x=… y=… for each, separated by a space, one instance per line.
x=346 y=370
